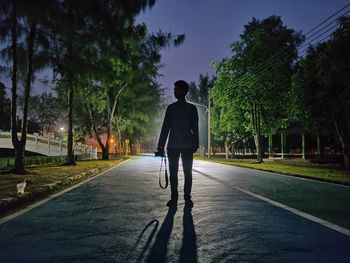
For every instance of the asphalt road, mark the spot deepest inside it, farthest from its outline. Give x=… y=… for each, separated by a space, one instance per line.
x=121 y=216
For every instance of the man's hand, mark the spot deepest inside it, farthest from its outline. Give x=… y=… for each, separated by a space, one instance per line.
x=160 y=152
x=160 y=149
x=194 y=149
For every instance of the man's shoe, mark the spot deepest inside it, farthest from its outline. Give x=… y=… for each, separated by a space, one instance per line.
x=188 y=203
x=171 y=203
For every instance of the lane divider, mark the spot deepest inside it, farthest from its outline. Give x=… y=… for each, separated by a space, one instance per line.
x=297 y=212
x=41 y=202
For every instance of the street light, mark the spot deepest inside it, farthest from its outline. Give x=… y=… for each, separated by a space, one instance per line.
x=114 y=107
x=61 y=132
x=207 y=109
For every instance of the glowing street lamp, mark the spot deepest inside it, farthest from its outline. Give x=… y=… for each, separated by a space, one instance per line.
x=61 y=131
x=115 y=104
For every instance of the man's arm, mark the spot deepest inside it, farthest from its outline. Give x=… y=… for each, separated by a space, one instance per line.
x=165 y=130
x=195 y=130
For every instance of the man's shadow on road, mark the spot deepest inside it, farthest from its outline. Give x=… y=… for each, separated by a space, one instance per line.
x=188 y=252
x=189 y=239
x=159 y=249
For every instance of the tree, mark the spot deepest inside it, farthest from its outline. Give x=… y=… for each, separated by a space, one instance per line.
x=70 y=45
x=199 y=93
x=228 y=120
x=323 y=83
x=10 y=21
x=5 y=109
x=251 y=92
x=133 y=79
x=85 y=31
x=25 y=24
x=45 y=110
x=141 y=102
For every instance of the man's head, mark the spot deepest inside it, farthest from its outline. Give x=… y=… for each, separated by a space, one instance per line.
x=181 y=89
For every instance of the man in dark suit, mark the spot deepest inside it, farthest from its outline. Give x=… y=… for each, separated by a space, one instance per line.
x=181 y=124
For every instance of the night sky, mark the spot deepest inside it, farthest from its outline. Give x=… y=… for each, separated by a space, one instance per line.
x=211 y=25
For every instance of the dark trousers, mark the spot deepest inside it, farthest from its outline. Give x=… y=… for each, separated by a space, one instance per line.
x=187 y=161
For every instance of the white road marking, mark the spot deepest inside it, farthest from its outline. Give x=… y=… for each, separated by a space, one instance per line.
x=307 y=216
x=41 y=202
x=280 y=174
x=299 y=213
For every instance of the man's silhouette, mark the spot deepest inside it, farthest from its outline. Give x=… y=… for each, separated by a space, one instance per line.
x=181 y=124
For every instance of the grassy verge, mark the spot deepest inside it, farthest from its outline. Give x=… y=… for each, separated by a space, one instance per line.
x=43 y=181
x=295 y=167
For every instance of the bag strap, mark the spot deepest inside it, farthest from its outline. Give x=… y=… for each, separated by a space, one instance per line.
x=166 y=174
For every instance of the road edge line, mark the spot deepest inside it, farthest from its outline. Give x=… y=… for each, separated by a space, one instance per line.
x=307 y=216
x=296 y=176
x=43 y=201
x=297 y=212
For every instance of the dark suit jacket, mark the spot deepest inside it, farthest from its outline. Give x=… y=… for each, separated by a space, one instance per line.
x=181 y=124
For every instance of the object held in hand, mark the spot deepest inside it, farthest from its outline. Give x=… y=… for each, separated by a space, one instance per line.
x=159 y=153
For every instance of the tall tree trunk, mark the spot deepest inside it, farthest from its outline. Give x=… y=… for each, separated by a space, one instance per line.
x=110 y=115
x=70 y=150
x=346 y=154
x=257 y=141
x=232 y=150
x=21 y=145
x=93 y=125
x=259 y=148
x=71 y=82
x=105 y=153
x=19 y=156
x=255 y=115
x=119 y=143
x=345 y=143
x=227 y=147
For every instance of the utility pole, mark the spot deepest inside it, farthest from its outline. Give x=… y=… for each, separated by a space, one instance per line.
x=113 y=110
x=207 y=110
x=209 y=130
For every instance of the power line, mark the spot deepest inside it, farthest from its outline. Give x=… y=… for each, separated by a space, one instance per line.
x=301 y=50
x=334 y=20
x=287 y=81
x=324 y=21
x=276 y=59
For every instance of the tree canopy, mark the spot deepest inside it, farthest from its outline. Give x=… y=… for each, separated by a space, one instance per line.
x=252 y=94
x=323 y=86
x=94 y=48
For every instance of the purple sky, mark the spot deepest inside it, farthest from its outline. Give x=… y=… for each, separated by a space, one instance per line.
x=211 y=25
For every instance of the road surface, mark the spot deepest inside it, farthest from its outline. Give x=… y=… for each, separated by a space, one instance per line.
x=239 y=215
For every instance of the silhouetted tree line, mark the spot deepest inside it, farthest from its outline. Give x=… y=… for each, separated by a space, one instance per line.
x=264 y=84
x=95 y=50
